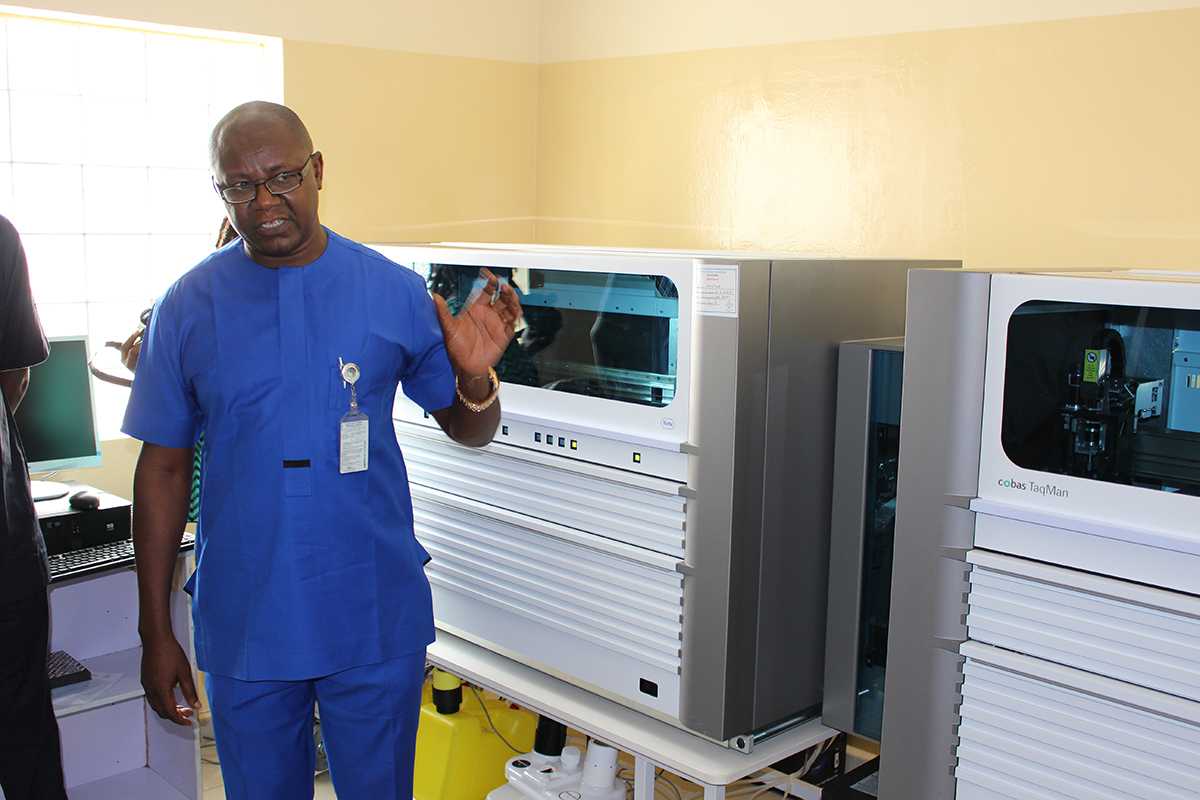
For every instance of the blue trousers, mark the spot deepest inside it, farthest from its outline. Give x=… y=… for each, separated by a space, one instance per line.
x=264 y=732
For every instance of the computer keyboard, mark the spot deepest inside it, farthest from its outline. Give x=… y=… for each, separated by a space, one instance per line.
x=64 y=670
x=88 y=560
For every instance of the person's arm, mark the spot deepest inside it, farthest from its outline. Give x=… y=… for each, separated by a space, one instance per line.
x=162 y=413
x=472 y=428
x=161 y=487
x=131 y=349
x=14 y=384
x=475 y=341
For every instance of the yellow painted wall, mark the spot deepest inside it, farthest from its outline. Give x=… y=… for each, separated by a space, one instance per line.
x=575 y=30
x=1044 y=144
x=419 y=147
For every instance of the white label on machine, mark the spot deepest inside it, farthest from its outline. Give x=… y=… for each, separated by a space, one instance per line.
x=717 y=291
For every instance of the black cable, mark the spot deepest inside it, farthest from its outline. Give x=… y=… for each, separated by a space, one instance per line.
x=495 y=730
x=206 y=743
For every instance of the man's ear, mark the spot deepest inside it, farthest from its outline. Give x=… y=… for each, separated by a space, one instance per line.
x=318 y=163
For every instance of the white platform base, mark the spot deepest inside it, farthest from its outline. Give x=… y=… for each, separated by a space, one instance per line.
x=651 y=742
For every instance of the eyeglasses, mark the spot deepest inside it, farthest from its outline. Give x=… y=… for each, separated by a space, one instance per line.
x=245 y=191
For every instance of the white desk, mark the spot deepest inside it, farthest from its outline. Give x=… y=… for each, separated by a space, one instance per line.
x=114 y=746
x=652 y=743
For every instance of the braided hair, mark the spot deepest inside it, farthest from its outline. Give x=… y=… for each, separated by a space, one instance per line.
x=226 y=233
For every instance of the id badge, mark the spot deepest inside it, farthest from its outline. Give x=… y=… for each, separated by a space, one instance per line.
x=354 y=442
x=354 y=431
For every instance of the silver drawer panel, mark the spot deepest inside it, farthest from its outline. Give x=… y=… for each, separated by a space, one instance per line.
x=630 y=607
x=1031 y=729
x=1140 y=635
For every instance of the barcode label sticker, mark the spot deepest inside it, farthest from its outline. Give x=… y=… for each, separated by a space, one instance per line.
x=717 y=291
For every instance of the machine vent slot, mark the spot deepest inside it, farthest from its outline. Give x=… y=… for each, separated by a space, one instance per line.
x=1025 y=737
x=644 y=512
x=631 y=608
x=1146 y=637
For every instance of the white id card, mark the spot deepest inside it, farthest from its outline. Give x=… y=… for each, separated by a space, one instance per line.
x=354 y=442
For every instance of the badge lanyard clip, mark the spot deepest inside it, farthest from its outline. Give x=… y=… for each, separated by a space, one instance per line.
x=354 y=429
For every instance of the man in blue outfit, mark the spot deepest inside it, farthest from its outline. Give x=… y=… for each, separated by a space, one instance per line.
x=285 y=348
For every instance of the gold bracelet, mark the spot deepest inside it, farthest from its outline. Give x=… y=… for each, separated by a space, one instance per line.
x=493 y=379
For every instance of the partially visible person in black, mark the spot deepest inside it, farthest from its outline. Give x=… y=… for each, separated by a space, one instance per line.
x=30 y=757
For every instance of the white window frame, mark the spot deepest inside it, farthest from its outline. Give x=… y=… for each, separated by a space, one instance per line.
x=104 y=164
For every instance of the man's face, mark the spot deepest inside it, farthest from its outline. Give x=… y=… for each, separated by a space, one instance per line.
x=278 y=230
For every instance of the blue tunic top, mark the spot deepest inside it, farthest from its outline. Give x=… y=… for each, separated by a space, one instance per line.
x=301 y=571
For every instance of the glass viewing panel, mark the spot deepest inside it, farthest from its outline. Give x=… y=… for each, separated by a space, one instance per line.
x=883 y=454
x=599 y=334
x=1105 y=392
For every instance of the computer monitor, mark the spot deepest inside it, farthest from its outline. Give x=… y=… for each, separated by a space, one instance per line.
x=57 y=419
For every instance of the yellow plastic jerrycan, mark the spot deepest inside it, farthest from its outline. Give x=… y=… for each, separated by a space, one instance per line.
x=459 y=755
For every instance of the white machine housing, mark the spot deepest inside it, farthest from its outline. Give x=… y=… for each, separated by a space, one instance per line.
x=651 y=521
x=1115 y=529
x=1045 y=610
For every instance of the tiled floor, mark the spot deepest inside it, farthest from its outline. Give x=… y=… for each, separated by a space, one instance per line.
x=211 y=773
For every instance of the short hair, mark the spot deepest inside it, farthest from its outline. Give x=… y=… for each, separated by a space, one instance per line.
x=247 y=112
